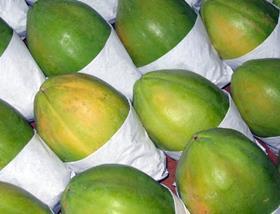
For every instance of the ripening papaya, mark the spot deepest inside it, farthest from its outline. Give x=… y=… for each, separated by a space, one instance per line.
x=5 y=36
x=222 y=171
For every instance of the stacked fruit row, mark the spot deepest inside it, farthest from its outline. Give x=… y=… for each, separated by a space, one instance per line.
x=115 y=103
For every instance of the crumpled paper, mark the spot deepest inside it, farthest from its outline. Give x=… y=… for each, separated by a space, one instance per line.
x=20 y=77
x=232 y=120
x=114 y=66
x=106 y=8
x=37 y=170
x=195 y=4
x=268 y=49
x=194 y=53
x=130 y=145
x=272 y=142
x=14 y=13
x=277 y=211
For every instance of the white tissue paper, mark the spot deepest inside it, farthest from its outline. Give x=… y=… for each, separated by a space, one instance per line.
x=231 y=120
x=106 y=8
x=180 y=207
x=277 y=211
x=114 y=66
x=272 y=142
x=37 y=170
x=194 y=53
x=14 y=13
x=130 y=145
x=268 y=49
x=20 y=77
x=195 y=4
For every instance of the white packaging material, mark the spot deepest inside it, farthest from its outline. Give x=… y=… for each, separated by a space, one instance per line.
x=37 y=170
x=179 y=205
x=106 y=8
x=114 y=66
x=20 y=77
x=130 y=145
x=268 y=49
x=277 y=211
x=272 y=142
x=195 y=4
x=14 y=13
x=194 y=53
x=232 y=120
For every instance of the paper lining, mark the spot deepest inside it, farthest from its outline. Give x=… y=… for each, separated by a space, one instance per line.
x=179 y=205
x=14 y=13
x=194 y=53
x=37 y=170
x=268 y=49
x=231 y=120
x=130 y=145
x=277 y=211
x=272 y=142
x=114 y=66
x=20 y=77
x=195 y=4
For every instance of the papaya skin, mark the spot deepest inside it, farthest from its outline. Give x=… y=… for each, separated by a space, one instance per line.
x=222 y=171
x=174 y=104
x=66 y=38
x=255 y=89
x=150 y=28
x=237 y=27
x=6 y=34
x=15 y=133
x=116 y=188
x=16 y=200
x=84 y=113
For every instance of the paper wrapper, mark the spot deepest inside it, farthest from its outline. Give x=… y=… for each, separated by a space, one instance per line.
x=194 y=53
x=114 y=66
x=106 y=8
x=277 y=211
x=232 y=120
x=272 y=142
x=130 y=145
x=268 y=49
x=195 y=4
x=14 y=13
x=180 y=207
x=20 y=77
x=37 y=170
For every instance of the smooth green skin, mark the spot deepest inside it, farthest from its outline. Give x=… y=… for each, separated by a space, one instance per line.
x=6 y=34
x=15 y=133
x=67 y=37
x=238 y=26
x=276 y=2
x=174 y=104
x=76 y=114
x=150 y=28
x=117 y=189
x=14 y=200
x=255 y=89
x=222 y=171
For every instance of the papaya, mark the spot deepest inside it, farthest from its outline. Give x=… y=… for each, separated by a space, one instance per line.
x=15 y=133
x=150 y=28
x=76 y=114
x=118 y=189
x=256 y=91
x=16 y=200
x=65 y=38
x=276 y=2
x=5 y=35
x=237 y=27
x=174 y=104
x=222 y=171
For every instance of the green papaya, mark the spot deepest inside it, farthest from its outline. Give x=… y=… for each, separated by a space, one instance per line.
x=222 y=171
x=256 y=91
x=65 y=35
x=174 y=104
x=16 y=200
x=6 y=34
x=276 y=2
x=150 y=28
x=15 y=133
x=237 y=27
x=76 y=114
x=117 y=189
